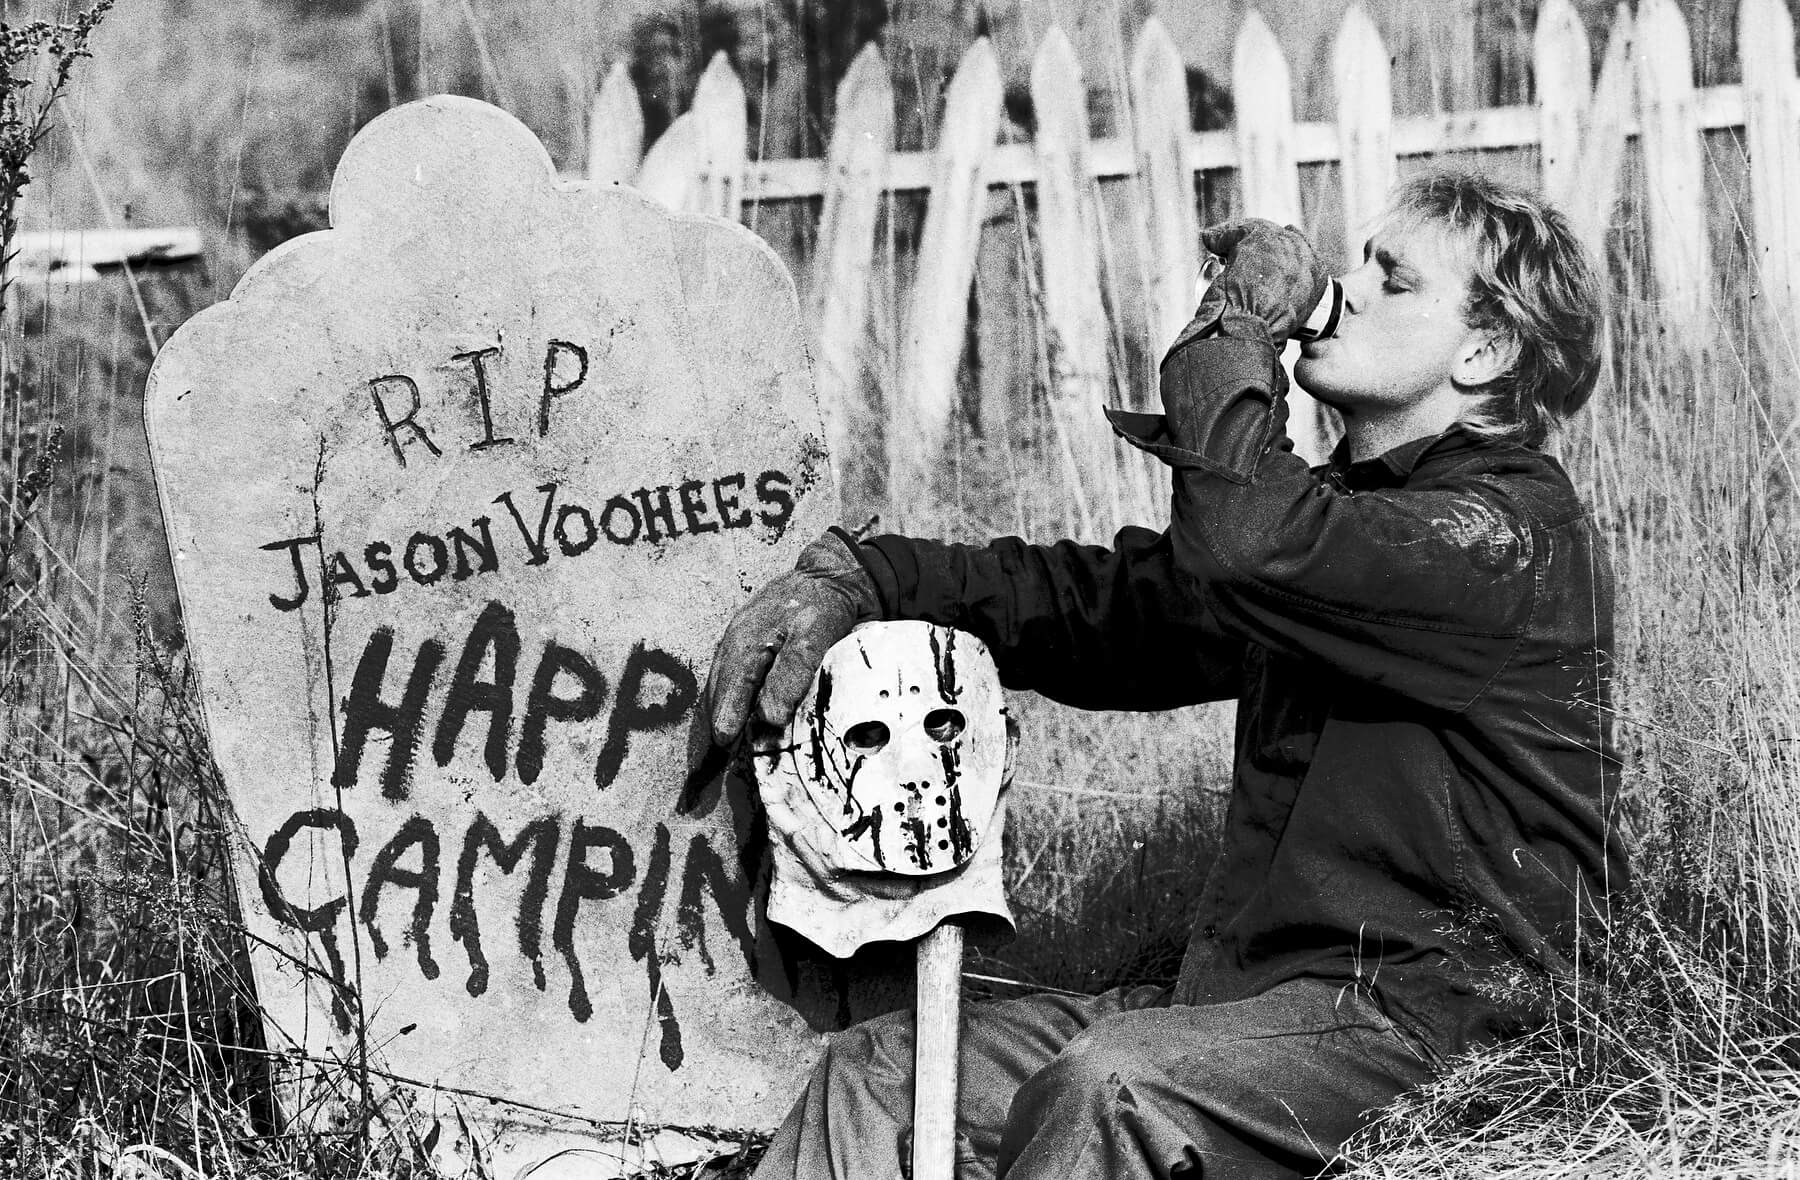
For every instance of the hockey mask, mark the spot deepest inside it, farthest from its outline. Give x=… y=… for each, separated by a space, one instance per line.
x=901 y=748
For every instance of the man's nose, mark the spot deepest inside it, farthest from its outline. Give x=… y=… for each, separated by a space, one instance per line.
x=1356 y=289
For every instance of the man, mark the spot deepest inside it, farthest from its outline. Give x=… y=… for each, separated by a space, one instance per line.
x=1417 y=636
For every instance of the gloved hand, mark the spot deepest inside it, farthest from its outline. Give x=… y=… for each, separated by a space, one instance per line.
x=1271 y=282
x=776 y=641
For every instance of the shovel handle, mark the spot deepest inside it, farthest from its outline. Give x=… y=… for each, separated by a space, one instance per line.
x=938 y=1008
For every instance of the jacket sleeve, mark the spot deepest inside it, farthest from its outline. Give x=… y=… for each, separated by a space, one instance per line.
x=1423 y=590
x=1097 y=628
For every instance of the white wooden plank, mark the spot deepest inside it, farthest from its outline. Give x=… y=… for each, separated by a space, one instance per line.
x=1719 y=107
x=919 y=424
x=862 y=134
x=1609 y=121
x=1262 y=91
x=1674 y=196
x=615 y=130
x=1461 y=131
x=670 y=173
x=1269 y=177
x=80 y=256
x=1113 y=158
x=722 y=136
x=937 y=1016
x=1171 y=251
x=1560 y=58
x=1772 y=130
x=1365 y=110
x=1068 y=245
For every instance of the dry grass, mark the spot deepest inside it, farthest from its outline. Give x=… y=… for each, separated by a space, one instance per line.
x=131 y=1045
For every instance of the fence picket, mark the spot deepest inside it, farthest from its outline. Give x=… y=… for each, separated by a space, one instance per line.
x=1561 y=65
x=722 y=134
x=671 y=168
x=1669 y=129
x=1068 y=246
x=1772 y=129
x=938 y=307
x=1262 y=93
x=1602 y=152
x=1269 y=176
x=1365 y=111
x=861 y=138
x=1170 y=251
x=615 y=130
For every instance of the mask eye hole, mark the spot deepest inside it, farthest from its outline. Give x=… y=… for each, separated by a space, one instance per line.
x=943 y=724
x=866 y=737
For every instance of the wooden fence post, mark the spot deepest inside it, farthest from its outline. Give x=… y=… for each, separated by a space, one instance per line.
x=1674 y=197
x=1159 y=110
x=1068 y=248
x=615 y=130
x=1561 y=63
x=722 y=134
x=861 y=138
x=1602 y=152
x=1772 y=128
x=1365 y=111
x=938 y=309
x=670 y=173
x=1263 y=97
x=1270 y=176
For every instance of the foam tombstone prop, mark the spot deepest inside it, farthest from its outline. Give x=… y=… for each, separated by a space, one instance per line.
x=461 y=492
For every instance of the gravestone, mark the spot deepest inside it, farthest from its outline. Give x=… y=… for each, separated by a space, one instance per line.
x=461 y=492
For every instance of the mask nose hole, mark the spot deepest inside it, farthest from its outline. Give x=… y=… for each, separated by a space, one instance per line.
x=866 y=737
x=943 y=724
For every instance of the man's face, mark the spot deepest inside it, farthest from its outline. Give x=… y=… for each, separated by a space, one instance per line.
x=1402 y=329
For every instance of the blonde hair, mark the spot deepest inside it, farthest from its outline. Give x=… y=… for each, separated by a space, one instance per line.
x=1530 y=278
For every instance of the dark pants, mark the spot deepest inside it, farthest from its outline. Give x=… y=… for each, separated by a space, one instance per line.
x=1119 y=1085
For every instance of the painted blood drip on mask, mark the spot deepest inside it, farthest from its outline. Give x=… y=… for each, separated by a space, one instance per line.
x=821 y=703
x=850 y=806
x=956 y=825
x=918 y=840
x=943 y=658
x=870 y=822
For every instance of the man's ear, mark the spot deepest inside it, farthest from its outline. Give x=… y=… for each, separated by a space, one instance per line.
x=1486 y=355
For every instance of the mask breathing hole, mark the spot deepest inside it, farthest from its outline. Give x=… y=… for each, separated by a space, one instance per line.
x=866 y=737
x=943 y=724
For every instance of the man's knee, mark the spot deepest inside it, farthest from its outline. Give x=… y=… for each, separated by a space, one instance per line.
x=1099 y=1071
x=880 y=1048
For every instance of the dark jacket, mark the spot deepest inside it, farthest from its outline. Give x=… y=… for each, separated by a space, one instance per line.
x=1419 y=645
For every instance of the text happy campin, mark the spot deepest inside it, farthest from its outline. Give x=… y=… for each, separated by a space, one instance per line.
x=553 y=524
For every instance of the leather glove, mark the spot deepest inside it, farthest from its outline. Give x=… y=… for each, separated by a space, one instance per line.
x=1271 y=282
x=775 y=642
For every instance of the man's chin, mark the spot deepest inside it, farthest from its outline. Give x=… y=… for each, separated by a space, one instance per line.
x=1307 y=376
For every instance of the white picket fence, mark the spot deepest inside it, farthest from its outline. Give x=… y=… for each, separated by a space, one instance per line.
x=1580 y=125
